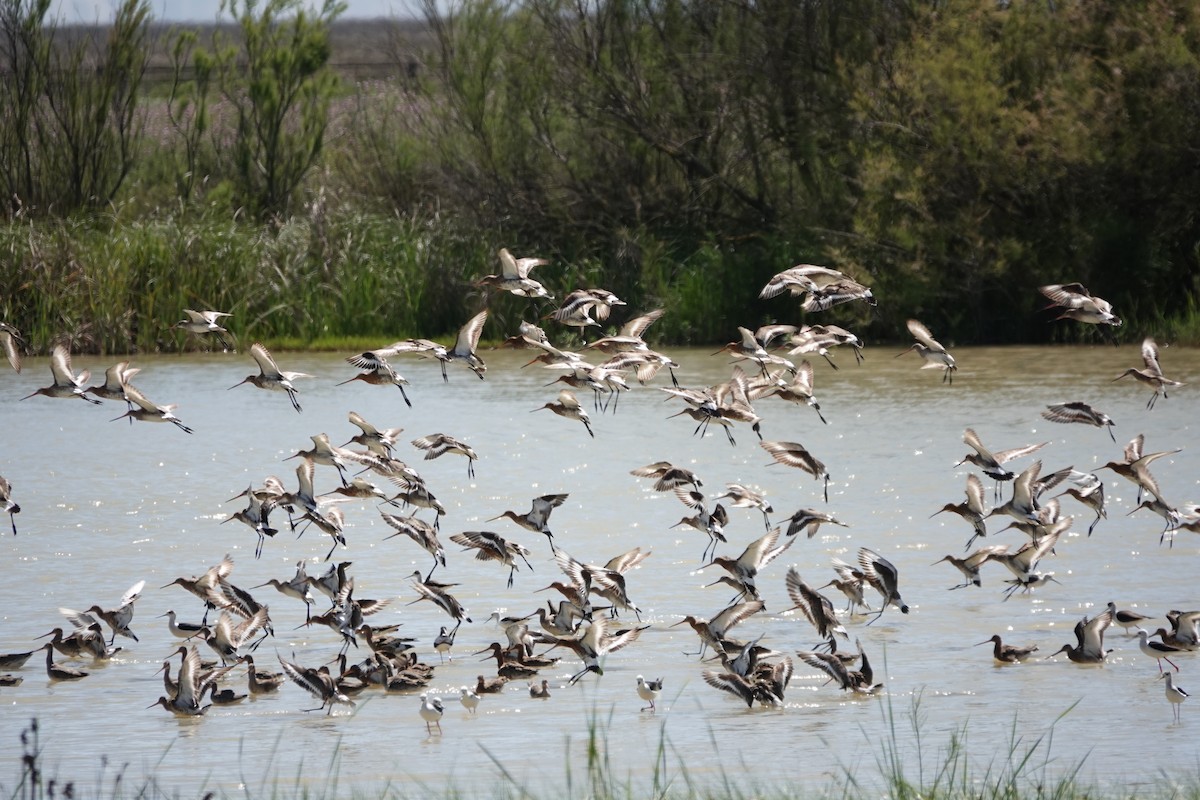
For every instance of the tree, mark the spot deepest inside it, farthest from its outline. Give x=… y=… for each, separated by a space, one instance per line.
x=280 y=87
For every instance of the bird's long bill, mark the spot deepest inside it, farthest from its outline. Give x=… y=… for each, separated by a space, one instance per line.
x=989 y=641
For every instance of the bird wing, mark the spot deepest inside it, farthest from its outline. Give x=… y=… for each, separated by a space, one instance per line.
x=971 y=439
x=468 y=335
x=1150 y=356
x=732 y=683
x=755 y=553
x=638 y=325
x=266 y=364
x=1017 y=452
x=922 y=335
x=830 y=664
x=60 y=366
x=974 y=493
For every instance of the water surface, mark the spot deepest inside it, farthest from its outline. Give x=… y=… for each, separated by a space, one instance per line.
x=106 y=504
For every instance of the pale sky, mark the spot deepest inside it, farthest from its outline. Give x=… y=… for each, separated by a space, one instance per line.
x=89 y=11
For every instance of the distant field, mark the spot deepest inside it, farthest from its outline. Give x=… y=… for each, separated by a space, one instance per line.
x=362 y=49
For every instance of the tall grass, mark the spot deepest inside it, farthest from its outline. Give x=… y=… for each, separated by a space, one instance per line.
x=109 y=285
x=907 y=767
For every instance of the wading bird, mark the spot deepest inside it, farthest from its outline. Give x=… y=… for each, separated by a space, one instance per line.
x=271 y=377
x=1079 y=412
x=66 y=382
x=202 y=323
x=931 y=351
x=1151 y=374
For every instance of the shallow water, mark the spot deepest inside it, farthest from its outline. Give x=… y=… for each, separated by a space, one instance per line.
x=106 y=504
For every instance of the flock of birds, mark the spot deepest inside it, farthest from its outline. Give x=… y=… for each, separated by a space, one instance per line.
x=590 y=620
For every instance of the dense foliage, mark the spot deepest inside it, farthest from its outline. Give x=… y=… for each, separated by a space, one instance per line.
x=954 y=155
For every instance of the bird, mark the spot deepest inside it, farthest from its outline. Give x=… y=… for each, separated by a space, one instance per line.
x=743 y=570
x=810 y=520
x=539 y=691
x=969 y=566
x=1089 y=640
x=824 y=287
x=379 y=441
x=431 y=712
x=538 y=517
x=116 y=378
x=583 y=308
x=66 y=382
x=712 y=632
x=382 y=374
x=1079 y=304
x=766 y=684
x=1151 y=374
x=1090 y=492
x=465 y=345
x=271 y=377
x=1007 y=653
x=649 y=691
x=439 y=444
x=859 y=681
x=6 y=503
x=436 y=593
x=815 y=607
x=971 y=509
x=798 y=390
x=992 y=463
x=60 y=672
x=489 y=546
x=667 y=476
x=489 y=685
x=792 y=454
x=1135 y=466
x=319 y=683
x=119 y=618
x=567 y=406
x=1159 y=651
x=1127 y=619
x=420 y=532
x=514 y=276
x=141 y=408
x=443 y=642
x=262 y=681
x=710 y=522
x=744 y=497
x=1175 y=694
x=200 y=323
x=883 y=576
x=12 y=342
x=596 y=642
x=1079 y=412
x=15 y=660
x=931 y=351
x=820 y=338
x=225 y=697
x=468 y=698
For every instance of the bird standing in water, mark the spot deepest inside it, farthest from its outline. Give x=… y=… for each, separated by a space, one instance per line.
x=649 y=691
